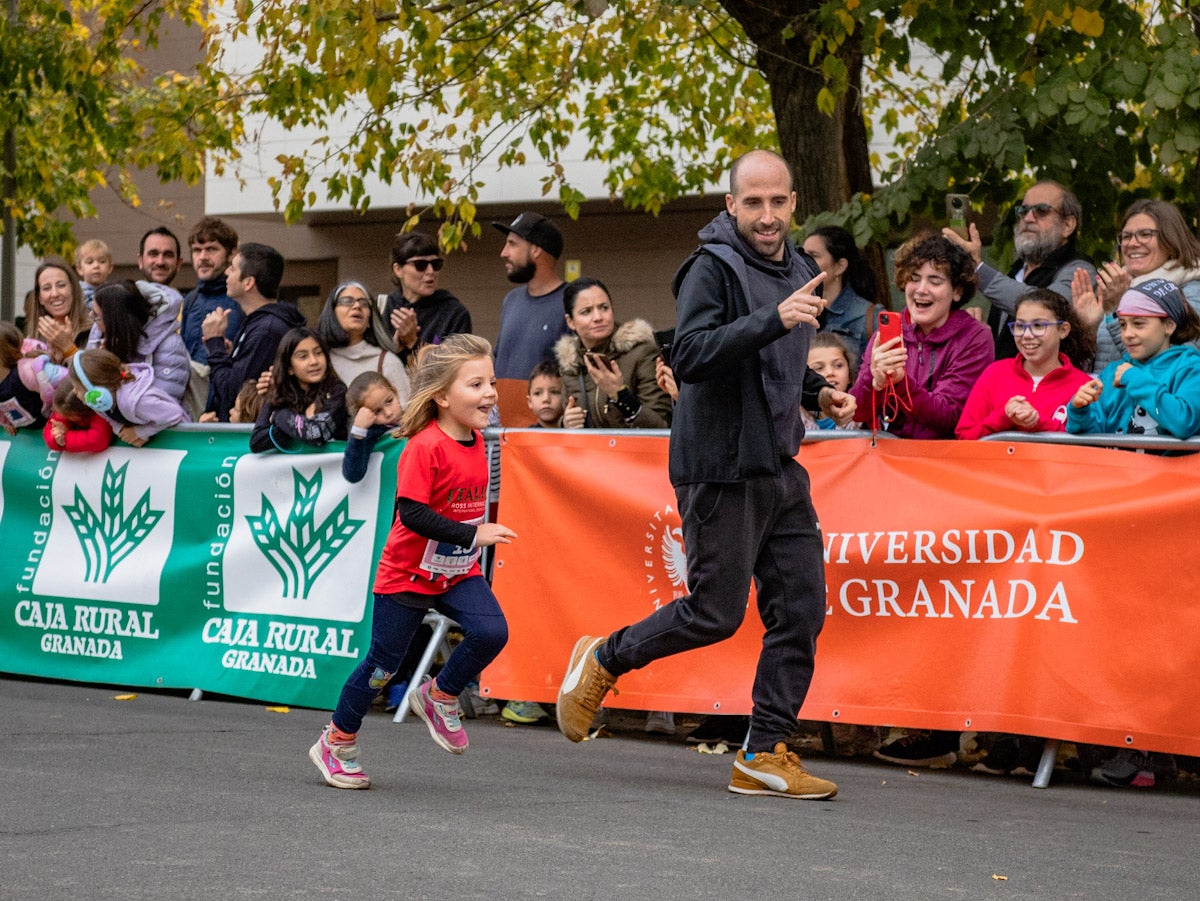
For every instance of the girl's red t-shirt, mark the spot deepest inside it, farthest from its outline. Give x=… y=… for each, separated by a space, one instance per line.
x=435 y=469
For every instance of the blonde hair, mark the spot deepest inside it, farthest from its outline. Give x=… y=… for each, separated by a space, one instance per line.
x=92 y=246
x=437 y=367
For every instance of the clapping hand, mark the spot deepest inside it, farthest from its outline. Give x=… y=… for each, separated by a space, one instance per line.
x=1021 y=413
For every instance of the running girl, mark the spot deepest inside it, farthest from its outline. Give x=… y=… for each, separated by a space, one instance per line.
x=431 y=558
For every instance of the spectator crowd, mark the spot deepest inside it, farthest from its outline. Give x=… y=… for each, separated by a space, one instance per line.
x=1062 y=344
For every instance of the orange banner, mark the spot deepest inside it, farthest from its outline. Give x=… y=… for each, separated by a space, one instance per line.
x=1045 y=590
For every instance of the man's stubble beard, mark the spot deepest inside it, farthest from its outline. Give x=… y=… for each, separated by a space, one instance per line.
x=523 y=275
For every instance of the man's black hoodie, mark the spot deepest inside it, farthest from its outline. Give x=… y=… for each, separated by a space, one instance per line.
x=253 y=353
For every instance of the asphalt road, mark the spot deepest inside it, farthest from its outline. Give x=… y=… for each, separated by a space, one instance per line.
x=161 y=798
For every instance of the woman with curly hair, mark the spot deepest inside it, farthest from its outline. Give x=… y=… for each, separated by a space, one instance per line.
x=916 y=385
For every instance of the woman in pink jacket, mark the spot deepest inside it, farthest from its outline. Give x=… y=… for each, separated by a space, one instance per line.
x=1030 y=392
x=915 y=386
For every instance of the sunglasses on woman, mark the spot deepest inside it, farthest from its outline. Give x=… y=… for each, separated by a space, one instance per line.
x=422 y=265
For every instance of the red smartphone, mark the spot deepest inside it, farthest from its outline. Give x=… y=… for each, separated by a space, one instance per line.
x=889 y=327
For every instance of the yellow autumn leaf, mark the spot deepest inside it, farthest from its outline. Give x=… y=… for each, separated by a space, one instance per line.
x=279 y=710
x=1087 y=22
x=128 y=697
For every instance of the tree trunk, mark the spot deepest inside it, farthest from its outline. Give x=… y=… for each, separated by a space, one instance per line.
x=829 y=155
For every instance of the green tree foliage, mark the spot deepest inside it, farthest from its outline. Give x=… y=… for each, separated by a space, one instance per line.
x=86 y=114
x=1100 y=94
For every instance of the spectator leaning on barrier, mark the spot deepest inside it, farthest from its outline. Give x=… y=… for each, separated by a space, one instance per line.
x=74 y=427
x=531 y=314
x=306 y=403
x=830 y=358
x=1031 y=391
x=358 y=340
x=124 y=394
x=746 y=313
x=608 y=367
x=136 y=321
x=418 y=311
x=1048 y=219
x=212 y=243
x=252 y=279
x=1154 y=389
x=848 y=289
x=916 y=385
x=1155 y=242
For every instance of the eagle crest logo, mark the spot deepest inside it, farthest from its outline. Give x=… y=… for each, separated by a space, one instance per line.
x=666 y=558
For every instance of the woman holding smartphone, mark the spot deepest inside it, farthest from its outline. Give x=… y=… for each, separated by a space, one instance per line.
x=916 y=385
x=608 y=367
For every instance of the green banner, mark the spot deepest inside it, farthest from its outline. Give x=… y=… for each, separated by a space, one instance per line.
x=190 y=563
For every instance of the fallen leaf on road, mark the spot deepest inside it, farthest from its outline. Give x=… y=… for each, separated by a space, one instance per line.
x=719 y=748
x=124 y=697
x=279 y=710
x=999 y=878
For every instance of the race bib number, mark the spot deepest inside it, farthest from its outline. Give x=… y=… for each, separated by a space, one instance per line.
x=446 y=559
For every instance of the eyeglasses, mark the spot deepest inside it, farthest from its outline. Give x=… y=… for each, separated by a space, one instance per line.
x=422 y=265
x=1141 y=235
x=1039 y=210
x=1037 y=328
x=350 y=302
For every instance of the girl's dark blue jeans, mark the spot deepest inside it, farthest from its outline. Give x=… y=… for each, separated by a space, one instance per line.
x=470 y=603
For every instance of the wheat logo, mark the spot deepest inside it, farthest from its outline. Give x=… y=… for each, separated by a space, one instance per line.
x=108 y=537
x=297 y=549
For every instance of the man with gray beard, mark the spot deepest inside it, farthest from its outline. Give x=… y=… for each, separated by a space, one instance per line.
x=1044 y=236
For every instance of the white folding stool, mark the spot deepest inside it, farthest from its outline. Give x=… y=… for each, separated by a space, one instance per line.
x=437 y=642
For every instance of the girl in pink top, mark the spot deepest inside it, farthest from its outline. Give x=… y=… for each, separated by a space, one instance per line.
x=431 y=558
x=1030 y=392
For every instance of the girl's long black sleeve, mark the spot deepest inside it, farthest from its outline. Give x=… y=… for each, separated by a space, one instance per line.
x=422 y=520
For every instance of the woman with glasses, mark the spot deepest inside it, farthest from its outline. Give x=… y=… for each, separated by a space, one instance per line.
x=55 y=312
x=418 y=311
x=1030 y=392
x=358 y=340
x=1154 y=242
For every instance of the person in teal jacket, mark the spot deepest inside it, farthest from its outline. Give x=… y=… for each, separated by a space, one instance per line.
x=1154 y=389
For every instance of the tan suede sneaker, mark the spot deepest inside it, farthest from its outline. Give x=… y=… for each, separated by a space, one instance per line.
x=780 y=774
x=583 y=689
